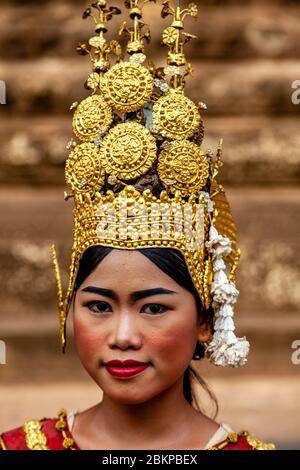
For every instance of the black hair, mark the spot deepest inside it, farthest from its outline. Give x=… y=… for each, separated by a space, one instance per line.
x=172 y=263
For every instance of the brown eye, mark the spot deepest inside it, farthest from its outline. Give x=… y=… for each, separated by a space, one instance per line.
x=98 y=307
x=154 y=309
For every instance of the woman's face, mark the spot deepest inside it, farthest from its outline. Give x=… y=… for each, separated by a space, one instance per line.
x=135 y=312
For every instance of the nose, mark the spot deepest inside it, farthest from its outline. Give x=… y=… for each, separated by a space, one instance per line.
x=125 y=333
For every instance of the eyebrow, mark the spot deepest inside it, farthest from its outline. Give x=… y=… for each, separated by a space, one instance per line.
x=137 y=295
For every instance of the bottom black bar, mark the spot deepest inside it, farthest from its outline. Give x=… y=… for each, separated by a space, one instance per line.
x=141 y=459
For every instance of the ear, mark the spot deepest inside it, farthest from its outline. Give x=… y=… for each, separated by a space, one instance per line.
x=205 y=331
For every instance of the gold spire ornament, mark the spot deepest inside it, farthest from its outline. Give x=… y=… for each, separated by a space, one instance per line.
x=175 y=116
x=138 y=124
x=97 y=47
x=128 y=86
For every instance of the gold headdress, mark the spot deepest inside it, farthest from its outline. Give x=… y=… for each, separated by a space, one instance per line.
x=139 y=177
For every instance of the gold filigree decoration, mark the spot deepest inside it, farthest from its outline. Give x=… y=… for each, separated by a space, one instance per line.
x=84 y=169
x=61 y=425
x=224 y=223
x=183 y=167
x=169 y=36
x=175 y=116
x=2 y=444
x=98 y=49
x=232 y=438
x=175 y=38
x=208 y=276
x=93 y=81
x=127 y=86
x=91 y=118
x=258 y=444
x=129 y=150
x=34 y=437
x=60 y=298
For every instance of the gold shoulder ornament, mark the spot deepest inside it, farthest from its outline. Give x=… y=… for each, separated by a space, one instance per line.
x=61 y=425
x=34 y=436
x=233 y=437
x=2 y=444
x=258 y=444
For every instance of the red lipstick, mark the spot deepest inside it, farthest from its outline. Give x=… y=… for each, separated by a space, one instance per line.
x=124 y=369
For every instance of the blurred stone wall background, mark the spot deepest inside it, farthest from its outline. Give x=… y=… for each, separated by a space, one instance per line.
x=246 y=57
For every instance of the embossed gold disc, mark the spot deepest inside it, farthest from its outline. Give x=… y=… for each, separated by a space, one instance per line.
x=91 y=117
x=84 y=170
x=183 y=167
x=129 y=150
x=175 y=116
x=127 y=86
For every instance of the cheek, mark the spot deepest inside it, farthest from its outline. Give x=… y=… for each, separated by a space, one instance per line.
x=88 y=339
x=176 y=342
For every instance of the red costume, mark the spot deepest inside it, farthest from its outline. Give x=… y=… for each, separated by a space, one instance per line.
x=54 y=434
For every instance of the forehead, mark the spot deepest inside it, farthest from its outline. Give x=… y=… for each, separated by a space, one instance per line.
x=124 y=267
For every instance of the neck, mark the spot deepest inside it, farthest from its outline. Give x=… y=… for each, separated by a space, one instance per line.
x=164 y=418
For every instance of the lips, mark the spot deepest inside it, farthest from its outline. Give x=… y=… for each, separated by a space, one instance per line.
x=124 y=369
x=128 y=362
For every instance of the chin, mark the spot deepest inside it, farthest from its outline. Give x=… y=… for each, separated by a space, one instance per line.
x=127 y=399
x=130 y=396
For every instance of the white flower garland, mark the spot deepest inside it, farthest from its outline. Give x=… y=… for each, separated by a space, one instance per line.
x=225 y=348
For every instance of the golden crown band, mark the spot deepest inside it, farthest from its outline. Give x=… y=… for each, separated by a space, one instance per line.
x=92 y=215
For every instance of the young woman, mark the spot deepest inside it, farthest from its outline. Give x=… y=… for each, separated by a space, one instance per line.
x=140 y=306
x=138 y=324
x=151 y=290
